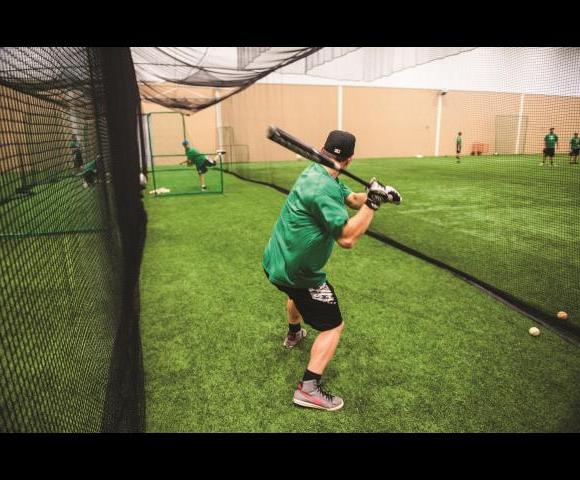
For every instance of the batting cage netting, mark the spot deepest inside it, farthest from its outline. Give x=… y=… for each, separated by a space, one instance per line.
x=481 y=142
x=72 y=230
x=164 y=73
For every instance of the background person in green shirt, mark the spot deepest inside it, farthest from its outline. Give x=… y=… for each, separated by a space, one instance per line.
x=458 y=144
x=200 y=161
x=313 y=218
x=550 y=144
x=574 y=149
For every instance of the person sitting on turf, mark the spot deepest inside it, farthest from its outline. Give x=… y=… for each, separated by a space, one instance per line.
x=75 y=146
x=200 y=161
x=458 y=143
x=574 y=149
x=313 y=218
x=550 y=144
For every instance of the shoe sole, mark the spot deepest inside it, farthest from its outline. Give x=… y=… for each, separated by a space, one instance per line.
x=313 y=405
x=292 y=346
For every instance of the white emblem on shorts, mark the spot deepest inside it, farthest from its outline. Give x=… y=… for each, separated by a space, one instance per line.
x=322 y=294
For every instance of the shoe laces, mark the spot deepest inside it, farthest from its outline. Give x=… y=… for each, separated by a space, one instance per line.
x=326 y=394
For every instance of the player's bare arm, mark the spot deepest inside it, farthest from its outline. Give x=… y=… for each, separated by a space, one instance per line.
x=356 y=227
x=356 y=200
x=376 y=195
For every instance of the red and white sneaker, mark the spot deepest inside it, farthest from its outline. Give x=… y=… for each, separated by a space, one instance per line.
x=310 y=394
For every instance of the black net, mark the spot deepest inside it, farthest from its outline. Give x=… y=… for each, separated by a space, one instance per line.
x=499 y=205
x=72 y=230
x=165 y=73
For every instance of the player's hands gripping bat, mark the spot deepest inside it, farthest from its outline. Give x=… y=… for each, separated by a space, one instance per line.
x=377 y=194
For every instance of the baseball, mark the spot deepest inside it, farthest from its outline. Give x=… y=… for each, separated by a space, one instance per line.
x=562 y=315
x=534 y=331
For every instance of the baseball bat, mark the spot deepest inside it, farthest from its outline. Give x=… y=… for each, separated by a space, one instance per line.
x=297 y=146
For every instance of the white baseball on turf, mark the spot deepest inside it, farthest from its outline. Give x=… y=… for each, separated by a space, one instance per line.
x=534 y=331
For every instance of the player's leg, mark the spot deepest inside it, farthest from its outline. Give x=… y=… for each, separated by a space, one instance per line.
x=543 y=157
x=201 y=171
x=294 y=316
x=323 y=349
x=210 y=162
x=319 y=308
x=295 y=330
x=78 y=160
x=89 y=179
x=309 y=392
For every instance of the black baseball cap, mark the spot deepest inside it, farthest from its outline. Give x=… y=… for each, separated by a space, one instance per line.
x=340 y=144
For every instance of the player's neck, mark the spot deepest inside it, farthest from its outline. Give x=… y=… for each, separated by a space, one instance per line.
x=333 y=173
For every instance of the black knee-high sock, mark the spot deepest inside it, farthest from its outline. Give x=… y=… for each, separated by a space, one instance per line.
x=294 y=327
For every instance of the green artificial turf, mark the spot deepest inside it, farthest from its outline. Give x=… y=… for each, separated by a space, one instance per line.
x=60 y=206
x=185 y=180
x=57 y=332
x=503 y=219
x=422 y=350
x=60 y=304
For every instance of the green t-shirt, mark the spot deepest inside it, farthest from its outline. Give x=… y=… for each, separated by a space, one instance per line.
x=550 y=140
x=459 y=139
x=193 y=156
x=90 y=166
x=575 y=143
x=75 y=144
x=303 y=238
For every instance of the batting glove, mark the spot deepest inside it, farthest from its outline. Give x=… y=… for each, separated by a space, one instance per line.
x=377 y=194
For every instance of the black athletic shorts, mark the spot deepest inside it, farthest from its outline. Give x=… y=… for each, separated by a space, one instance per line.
x=318 y=306
x=575 y=152
x=90 y=177
x=549 y=152
x=78 y=159
x=206 y=163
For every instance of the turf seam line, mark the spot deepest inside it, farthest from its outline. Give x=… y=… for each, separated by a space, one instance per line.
x=565 y=330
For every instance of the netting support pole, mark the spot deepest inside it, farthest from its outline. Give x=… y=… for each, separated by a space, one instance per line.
x=151 y=149
x=339 y=106
x=438 y=122
x=218 y=120
x=520 y=116
x=183 y=126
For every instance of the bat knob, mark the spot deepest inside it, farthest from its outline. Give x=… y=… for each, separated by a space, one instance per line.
x=272 y=132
